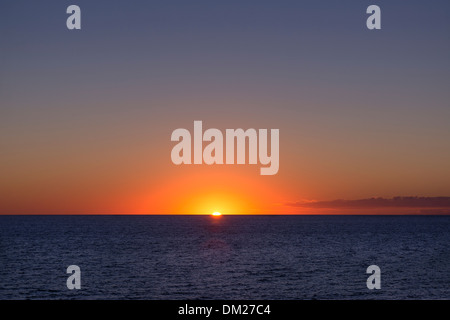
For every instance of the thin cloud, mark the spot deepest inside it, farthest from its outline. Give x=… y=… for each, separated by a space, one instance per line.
x=435 y=211
x=395 y=202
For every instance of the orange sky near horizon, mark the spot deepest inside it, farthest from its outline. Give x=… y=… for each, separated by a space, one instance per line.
x=86 y=116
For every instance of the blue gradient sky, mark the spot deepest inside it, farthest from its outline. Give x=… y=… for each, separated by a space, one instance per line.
x=86 y=116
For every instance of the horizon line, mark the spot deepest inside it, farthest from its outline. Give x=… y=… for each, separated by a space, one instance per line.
x=223 y=214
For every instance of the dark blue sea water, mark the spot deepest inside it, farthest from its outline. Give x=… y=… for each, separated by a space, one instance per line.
x=232 y=257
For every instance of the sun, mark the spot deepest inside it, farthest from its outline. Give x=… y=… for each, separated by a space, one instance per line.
x=216 y=214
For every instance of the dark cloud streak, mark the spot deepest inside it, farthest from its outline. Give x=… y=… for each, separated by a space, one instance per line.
x=395 y=202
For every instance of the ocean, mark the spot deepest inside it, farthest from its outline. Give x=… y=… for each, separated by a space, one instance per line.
x=230 y=257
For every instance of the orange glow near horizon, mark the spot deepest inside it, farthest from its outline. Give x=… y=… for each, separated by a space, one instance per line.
x=199 y=193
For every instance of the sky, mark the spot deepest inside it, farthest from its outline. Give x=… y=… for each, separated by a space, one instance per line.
x=86 y=115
